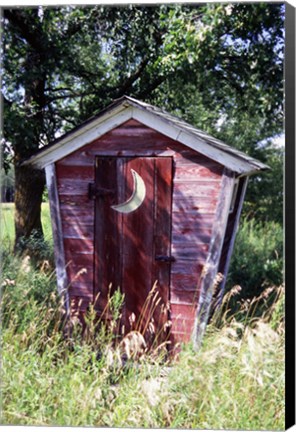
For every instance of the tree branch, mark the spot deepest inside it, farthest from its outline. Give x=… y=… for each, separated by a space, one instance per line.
x=129 y=82
x=49 y=89
x=68 y=96
x=59 y=115
x=152 y=86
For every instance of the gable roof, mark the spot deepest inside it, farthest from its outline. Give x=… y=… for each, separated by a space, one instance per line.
x=126 y=108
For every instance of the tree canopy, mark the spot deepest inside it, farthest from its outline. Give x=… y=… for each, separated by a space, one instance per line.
x=218 y=66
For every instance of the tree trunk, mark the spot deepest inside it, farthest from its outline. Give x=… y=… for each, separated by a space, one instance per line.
x=29 y=186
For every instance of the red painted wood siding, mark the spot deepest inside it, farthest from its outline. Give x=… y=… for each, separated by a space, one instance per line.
x=196 y=186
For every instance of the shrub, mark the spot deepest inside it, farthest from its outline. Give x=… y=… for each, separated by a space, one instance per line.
x=257 y=260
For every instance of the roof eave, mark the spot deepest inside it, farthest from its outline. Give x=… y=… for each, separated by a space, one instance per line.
x=126 y=108
x=119 y=113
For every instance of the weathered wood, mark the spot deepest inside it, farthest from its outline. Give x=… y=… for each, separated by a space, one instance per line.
x=138 y=242
x=77 y=213
x=193 y=172
x=167 y=128
x=82 y=246
x=81 y=290
x=196 y=189
x=75 y=186
x=76 y=258
x=180 y=324
x=86 y=158
x=75 y=205
x=73 y=172
x=188 y=205
x=124 y=142
x=107 y=235
x=80 y=273
x=184 y=214
x=73 y=202
x=188 y=252
x=189 y=208
x=196 y=220
x=57 y=233
x=162 y=238
x=182 y=296
x=78 y=231
x=185 y=282
x=188 y=157
x=193 y=238
x=232 y=226
x=82 y=136
x=80 y=215
x=127 y=109
x=132 y=240
x=188 y=266
x=212 y=262
x=183 y=313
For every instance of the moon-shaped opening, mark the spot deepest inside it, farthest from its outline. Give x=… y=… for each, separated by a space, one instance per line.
x=137 y=197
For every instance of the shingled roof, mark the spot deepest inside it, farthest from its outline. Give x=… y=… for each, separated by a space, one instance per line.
x=126 y=108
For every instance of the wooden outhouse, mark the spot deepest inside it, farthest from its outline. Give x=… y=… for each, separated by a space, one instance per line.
x=139 y=198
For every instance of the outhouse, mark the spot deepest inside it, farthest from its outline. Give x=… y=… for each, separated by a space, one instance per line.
x=141 y=199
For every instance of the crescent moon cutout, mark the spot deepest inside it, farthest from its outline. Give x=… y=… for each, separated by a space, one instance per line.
x=136 y=198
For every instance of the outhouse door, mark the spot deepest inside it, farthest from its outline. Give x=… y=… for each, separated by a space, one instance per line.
x=132 y=237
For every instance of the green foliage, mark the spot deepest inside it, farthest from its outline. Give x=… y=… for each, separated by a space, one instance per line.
x=45 y=198
x=36 y=248
x=24 y=293
x=7 y=182
x=208 y=388
x=265 y=193
x=219 y=66
x=223 y=55
x=48 y=379
x=7 y=224
x=257 y=260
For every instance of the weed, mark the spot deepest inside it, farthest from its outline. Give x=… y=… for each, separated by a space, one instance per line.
x=235 y=381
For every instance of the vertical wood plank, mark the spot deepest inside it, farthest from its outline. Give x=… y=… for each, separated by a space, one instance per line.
x=232 y=226
x=162 y=238
x=126 y=244
x=138 y=241
x=107 y=232
x=57 y=232
x=196 y=191
x=211 y=266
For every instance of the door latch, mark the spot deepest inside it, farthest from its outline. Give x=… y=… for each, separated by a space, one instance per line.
x=165 y=258
x=94 y=192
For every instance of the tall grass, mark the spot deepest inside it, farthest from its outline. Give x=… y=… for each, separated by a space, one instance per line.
x=235 y=381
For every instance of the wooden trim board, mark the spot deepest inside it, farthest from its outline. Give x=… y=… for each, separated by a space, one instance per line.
x=57 y=233
x=191 y=141
x=125 y=111
x=211 y=266
x=83 y=136
x=233 y=236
